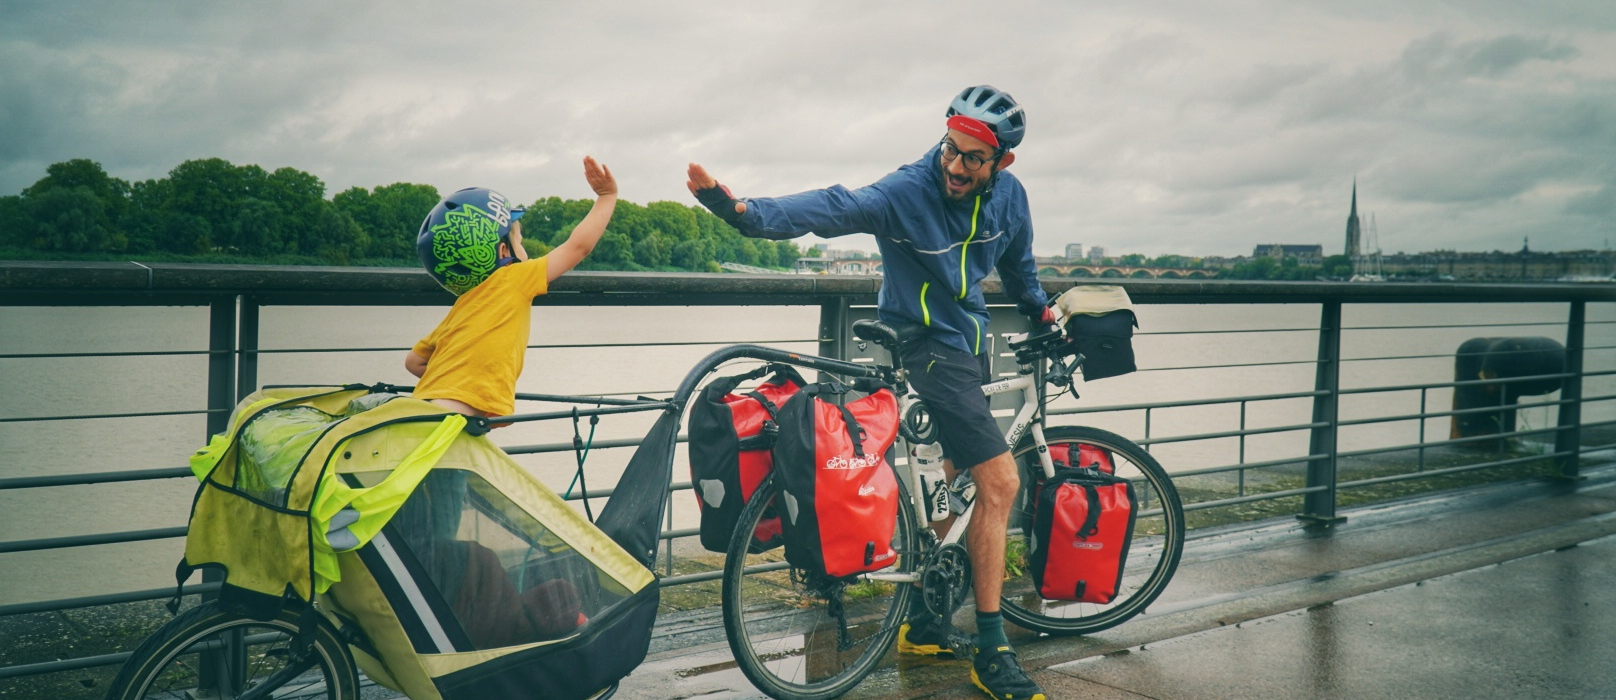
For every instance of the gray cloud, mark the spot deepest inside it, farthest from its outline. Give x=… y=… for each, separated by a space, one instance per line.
x=1167 y=126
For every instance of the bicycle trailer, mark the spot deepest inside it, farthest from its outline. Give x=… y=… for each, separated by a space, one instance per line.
x=468 y=577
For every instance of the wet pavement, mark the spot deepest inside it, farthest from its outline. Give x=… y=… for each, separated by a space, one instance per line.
x=1497 y=592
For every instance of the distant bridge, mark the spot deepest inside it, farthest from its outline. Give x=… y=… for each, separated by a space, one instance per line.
x=1079 y=270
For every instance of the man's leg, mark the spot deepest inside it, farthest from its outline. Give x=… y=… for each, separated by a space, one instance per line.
x=996 y=484
x=995 y=669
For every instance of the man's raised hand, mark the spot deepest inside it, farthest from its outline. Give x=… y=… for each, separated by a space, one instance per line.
x=715 y=197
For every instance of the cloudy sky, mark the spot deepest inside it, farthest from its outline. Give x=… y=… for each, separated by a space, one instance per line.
x=1182 y=126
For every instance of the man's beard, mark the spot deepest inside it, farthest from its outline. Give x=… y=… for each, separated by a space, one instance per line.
x=985 y=187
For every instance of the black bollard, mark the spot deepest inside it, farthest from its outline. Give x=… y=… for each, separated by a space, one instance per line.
x=1501 y=358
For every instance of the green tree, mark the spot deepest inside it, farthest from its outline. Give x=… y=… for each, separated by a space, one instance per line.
x=69 y=220
x=391 y=216
x=1336 y=267
x=1133 y=260
x=16 y=228
x=651 y=251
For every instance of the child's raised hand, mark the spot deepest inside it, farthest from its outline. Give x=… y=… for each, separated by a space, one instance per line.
x=600 y=178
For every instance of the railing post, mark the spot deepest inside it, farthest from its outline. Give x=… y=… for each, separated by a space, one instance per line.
x=247 y=349
x=1568 y=436
x=221 y=363
x=1318 y=507
x=833 y=328
x=221 y=669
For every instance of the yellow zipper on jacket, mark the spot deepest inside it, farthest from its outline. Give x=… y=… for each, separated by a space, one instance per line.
x=964 y=249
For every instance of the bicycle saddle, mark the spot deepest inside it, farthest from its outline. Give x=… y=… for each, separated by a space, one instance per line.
x=876 y=332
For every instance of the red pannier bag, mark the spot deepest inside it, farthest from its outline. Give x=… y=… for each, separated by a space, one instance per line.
x=1088 y=457
x=839 y=492
x=1081 y=531
x=731 y=441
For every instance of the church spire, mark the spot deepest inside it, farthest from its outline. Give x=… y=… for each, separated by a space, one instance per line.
x=1354 y=246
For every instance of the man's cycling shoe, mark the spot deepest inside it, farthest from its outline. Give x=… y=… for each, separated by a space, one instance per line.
x=998 y=674
x=931 y=637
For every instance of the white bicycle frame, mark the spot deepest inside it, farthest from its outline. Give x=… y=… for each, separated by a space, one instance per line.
x=1027 y=384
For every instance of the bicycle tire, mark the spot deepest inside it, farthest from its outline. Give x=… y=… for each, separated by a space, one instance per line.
x=1153 y=554
x=169 y=663
x=783 y=634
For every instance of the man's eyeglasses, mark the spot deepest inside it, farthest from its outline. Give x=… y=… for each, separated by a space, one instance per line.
x=973 y=162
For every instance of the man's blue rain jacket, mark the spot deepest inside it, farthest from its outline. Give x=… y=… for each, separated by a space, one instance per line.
x=934 y=251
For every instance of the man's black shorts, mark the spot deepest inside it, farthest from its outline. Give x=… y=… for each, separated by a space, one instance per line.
x=950 y=381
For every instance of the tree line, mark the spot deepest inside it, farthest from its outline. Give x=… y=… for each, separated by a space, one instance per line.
x=213 y=210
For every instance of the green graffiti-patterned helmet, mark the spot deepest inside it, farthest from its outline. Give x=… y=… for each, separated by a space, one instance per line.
x=459 y=241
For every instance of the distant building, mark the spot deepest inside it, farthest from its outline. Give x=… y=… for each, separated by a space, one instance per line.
x=1096 y=254
x=1304 y=254
x=1354 y=246
x=1074 y=251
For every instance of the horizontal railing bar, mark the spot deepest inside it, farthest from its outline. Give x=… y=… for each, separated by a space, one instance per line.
x=1238 y=364
x=1184 y=403
x=1232 y=433
x=1232 y=330
x=34 y=482
x=1466 y=382
x=1203 y=505
x=548 y=346
x=1444 y=355
x=676 y=534
x=81 y=662
x=162 y=533
x=1451 y=441
x=717 y=573
x=129 y=353
x=1205 y=471
x=606 y=493
x=107 y=599
x=1449 y=470
x=559 y=398
x=637 y=407
x=1456 y=412
x=1501 y=324
x=93 y=416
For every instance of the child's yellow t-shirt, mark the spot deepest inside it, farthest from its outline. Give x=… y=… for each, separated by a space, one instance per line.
x=476 y=353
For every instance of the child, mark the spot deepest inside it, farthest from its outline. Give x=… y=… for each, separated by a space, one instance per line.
x=471 y=245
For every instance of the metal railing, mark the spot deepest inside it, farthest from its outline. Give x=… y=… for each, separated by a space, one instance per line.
x=235 y=296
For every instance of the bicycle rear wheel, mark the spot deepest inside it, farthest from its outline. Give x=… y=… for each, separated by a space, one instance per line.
x=785 y=632
x=210 y=653
x=1152 y=556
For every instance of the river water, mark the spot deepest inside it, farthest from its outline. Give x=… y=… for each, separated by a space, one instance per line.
x=572 y=361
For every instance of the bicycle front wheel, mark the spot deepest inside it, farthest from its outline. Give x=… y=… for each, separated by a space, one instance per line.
x=1152 y=555
x=785 y=631
x=210 y=653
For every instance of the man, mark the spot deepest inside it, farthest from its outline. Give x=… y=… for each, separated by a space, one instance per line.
x=942 y=223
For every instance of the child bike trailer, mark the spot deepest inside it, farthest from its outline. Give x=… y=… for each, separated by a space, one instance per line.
x=468 y=577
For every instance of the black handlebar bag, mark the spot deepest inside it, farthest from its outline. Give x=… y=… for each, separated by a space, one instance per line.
x=732 y=439
x=839 y=492
x=1081 y=531
x=1100 y=322
x=1106 y=342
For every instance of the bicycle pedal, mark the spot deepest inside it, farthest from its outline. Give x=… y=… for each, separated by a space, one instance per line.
x=963 y=645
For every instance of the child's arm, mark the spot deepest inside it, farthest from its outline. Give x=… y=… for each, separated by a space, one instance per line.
x=583 y=238
x=415 y=364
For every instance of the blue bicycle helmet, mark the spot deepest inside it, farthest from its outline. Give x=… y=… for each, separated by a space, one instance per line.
x=459 y=241
x=994 y=109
